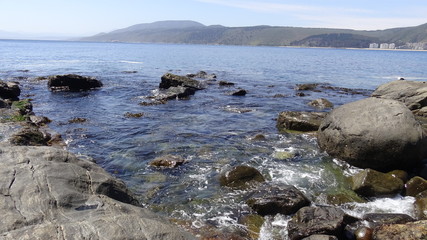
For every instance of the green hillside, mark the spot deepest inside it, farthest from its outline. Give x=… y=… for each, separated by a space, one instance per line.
x=190 y=32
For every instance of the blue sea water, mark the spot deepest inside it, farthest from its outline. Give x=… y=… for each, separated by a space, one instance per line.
x=212 y=130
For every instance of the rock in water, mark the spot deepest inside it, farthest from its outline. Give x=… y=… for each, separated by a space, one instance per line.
x=381 y=134
x=48 y=193
x=9 y=90
x=371 y=183
x=241 y=177
x=72 y=82
x=171 y=80
x=299 y=121
x=412 y=93
x=409 y=231
x=321 y=103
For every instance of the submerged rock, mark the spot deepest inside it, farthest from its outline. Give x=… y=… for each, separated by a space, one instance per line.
x=381 y=134
x=318 y=220
x=412 y=93
x=299 y=121
x=241 y=177
x=306 y=86
x=371 y=183
x=240 y=92
x=271 y=200
x=202 y=75
x=408 y=231
x=321 y=103
x=72 y=83
x=225 y=83
x=378 y=219
x=168 y=161
x=9 y=90
x=48 y=193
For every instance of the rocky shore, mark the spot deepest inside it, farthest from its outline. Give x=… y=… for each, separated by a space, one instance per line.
x=49 y=193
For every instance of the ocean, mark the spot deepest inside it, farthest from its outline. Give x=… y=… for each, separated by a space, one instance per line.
x=212 y=130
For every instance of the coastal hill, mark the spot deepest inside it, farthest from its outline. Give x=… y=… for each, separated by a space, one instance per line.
x=190 y=32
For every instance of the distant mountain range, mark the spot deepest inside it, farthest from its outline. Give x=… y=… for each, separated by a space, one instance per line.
x=190 y=32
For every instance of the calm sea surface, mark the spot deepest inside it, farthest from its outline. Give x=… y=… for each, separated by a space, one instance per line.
x=213 y=131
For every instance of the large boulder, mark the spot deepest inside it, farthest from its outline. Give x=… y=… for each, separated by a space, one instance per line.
x=48 y=193
x=318 y=220
x=72 y=82
x=381 y=134
x=412 y=93
x=9 y=90
x=271 y=200
x=299 y=121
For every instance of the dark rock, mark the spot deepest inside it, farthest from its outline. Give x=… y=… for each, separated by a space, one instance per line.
x=169 y=80
x=403 y=175
x=371 y=183
x=408 y=231
x=299 y=121
x=300 y=94
x=133 y=115
x=172 y=93
x=48 y=193
x=29 y=136
x=343 y=197
x=321 y=103
x=378 y=219
x=240 y=92
x=259 y=137
x=225 y=83
x=72 y=83
x=241 y=177
x=39 y=120
x=168 y=161
x=4 y=104
x=202 y=75
x=373 y=133
x=363 y=233
x=321 y=237
x=129 y=72
x=420 y=207
x=9 y=90
x=413 y=94
x=279 y=96
x=415 y=186
x=271 y=200
x=306 y=86
x=77 y=120
x=318 y=220
x=154 y=103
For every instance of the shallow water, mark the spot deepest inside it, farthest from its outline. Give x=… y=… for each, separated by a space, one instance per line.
x=213 y=131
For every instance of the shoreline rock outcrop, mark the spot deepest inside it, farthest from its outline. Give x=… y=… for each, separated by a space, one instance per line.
x=72 y=83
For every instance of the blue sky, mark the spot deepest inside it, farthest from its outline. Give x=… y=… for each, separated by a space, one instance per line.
x=87 y=17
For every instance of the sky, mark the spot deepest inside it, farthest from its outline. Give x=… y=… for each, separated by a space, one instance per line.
x=89 y=17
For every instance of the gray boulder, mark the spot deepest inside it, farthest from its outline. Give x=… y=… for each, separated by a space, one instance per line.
x=72 y=83
x=48 y=193
x=9 y=90
x=413 y=94
x=299 y=121
x=381 y=134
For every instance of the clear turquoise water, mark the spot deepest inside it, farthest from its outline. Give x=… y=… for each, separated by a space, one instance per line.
x=207 y=130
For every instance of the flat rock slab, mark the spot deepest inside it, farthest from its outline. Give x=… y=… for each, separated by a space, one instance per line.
x=48 y=193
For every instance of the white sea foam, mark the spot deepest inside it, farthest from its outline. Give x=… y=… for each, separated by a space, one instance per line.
x=131 y=62
x=397 y=204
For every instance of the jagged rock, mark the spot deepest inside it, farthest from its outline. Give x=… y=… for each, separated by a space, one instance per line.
x=72 y=82
x=241 y=177
x=169 y=80
x=321 y=103
x=415 y=186
x=318 y=220
x=271 y=200
x=168 y=161
x=371 y=183
x=240 y=92
x=48 y=193
x=409 y=231
x=9 y=90
x=412 y=93
x=299 y=121
x=381 y=134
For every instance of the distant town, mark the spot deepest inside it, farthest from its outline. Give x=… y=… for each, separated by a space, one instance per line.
x=409 y=46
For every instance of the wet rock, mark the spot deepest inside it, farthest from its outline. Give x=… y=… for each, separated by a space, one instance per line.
x=241 y=177
x=420 y=207
x=371 y=183
x=381 y=134
x=9 y=90
x=169 y=80
x=253 y=223
x=321 y=103
x=39 y=120
x=306 y=86
x=271 y=200
x=299 y=121
x=240 y=92
x=29 y=136
x=300 y=94
x=340 y=198
x=415 y=186
x=168 y=161
x=409 y=231
x=48 y=193
x=363 y=233
x=202 y=75
x=280 y=96
x=24 y=107
x=153 y=103
x=225 y=83
x=4 y=104
x=403 y=175
x=318 y=220
x=72 y=83
x=412 y=93
x=77 y=120
x=129 y=72
x=378 y=219
x=321 y=237
x=133 y=115
x=172 y=93
x=283 y=155
x=259 y=137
